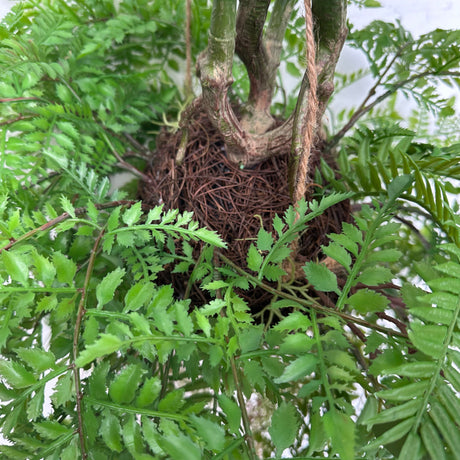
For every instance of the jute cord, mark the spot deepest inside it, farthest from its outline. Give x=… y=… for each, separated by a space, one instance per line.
x=310 y=118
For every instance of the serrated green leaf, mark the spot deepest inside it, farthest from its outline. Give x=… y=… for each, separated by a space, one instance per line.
x=320 y=277
x=294 y=321
x=338 y=253
x=264 y=240
x=139 y=295
x=35 y=406
x=284 y=426
x=106 y=288
x=184 y=322
x=273 y=272
x=16 y=267
x=210 y=432
x=16 y=375
x=300 y=367
x=341 y=429
x=149 y=391
x=232 y=412
x=52 y=430
x=67 y=206
x=124 y=386
x=110 y=431
x=105 y=345
x=250 y=338
x=374 y=276
x=254 y=259
x=39 y=360
x=366 y=301
x=180 y=447
x=132 y=214
x=63 y=391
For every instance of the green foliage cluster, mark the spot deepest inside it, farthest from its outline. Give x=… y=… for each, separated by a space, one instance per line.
x=98 y=359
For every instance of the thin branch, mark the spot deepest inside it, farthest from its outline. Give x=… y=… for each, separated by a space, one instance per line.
x=76 y=336
x=124 y=164
x=18 y=99
x=365 y=109
x=14 y=120
x=311 y=303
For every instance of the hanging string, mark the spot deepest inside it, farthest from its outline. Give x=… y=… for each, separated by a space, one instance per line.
x=310 y=118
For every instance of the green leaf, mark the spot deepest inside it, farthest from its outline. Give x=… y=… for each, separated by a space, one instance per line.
x=341 y=429
x=384 y=255
x=110 y=431
x=432 y=440
x=149 y=391
x=232 y=412
x=338 y=253
x=395 y=413
x=250 y=338
x=393 y=434
x=433 y=315
x=16 y=375
x=428 y=339
x=52 y=430
x=264 y=240
x=293 y=322
x=366 y=301
x=399 y=185
x=124 y=387
x=284 y=426
x=321 y=278
x=417 y=369
x=300 y=367
x=138 y=296
x=35 y=406
x=16 y=267
x=374 y=276
x=39 y=360
x=65 y=268
x=106 y=288
x=132 y=214
x=411 y=447
x=254 y=259
x=210 y=432
x=446 y=426
x=67 y=206
x=180 y=447
x=105 y=345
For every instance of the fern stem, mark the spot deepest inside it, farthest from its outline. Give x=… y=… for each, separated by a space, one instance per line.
x=307 y=305
x=76 y=336
x=439 y=365
x=322 y=366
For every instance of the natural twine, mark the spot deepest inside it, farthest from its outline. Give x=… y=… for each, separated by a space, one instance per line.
x=310 y=118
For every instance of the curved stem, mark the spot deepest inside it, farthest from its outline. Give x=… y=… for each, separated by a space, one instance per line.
x=76 y=336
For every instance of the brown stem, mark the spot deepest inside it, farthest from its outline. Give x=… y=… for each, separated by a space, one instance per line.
x=76 y=336
x=311 y=303
x=14 y=120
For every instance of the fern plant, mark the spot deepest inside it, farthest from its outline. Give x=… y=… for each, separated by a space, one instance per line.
x=100 y=357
